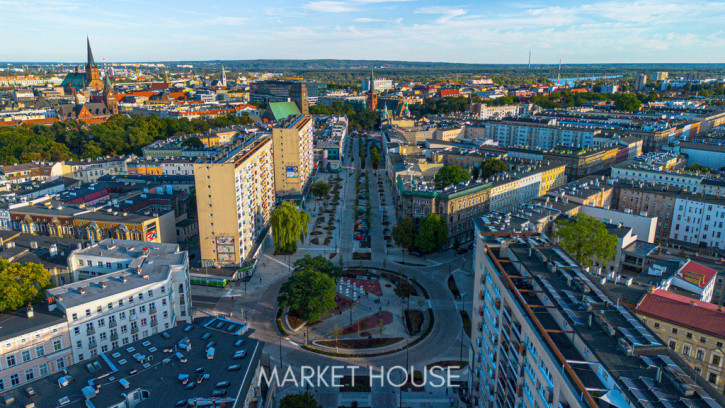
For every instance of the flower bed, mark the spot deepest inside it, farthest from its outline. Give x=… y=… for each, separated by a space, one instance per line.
x=413 y=321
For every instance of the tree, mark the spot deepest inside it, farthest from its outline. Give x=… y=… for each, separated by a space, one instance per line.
x=586 y=238
x=491 y=167
x=448 y=175
x=289 y=224
x=404 y=233
x=374 y=155
x=404 y=290
x=432 y=233
x=310 y=293
x=698 y=168
x=299 y=400
x=319 y=264
x=193 y=142
x=320 y=189
x=21 y=284
x=627 y=102
x=475 y=172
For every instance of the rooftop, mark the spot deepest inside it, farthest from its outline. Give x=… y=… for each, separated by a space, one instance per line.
x=155 y=366
x=623 y=347
x=17 y=323
x=684 y=311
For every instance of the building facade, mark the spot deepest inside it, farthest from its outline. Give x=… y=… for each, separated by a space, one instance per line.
x=234 y=197
x=293 y=155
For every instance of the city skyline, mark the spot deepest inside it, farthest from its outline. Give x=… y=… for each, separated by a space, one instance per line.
x=417 y=30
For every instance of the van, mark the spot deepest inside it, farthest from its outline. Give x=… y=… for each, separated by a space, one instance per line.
x=210 y=353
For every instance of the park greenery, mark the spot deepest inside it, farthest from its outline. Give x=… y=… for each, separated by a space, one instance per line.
x=120 y=134
x=374 y=155
x=429 y=234
x=587 y=239
x=318 y=263
x=698 y=168
x=404 y=290
x=489 y=168
x=21 y=284
x=193 y=142
x=289 y=224
x=310 y=293
x=299 y=400
x=452 y=174
x=358 y=117
x=320 y=189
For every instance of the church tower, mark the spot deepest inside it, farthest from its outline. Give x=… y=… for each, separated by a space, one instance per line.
x=93 y=74
x=223 y=80
x=109 y=97
x=372 y=96
x=298 y=95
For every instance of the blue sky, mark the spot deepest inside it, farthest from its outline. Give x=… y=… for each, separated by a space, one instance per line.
x=483 y=31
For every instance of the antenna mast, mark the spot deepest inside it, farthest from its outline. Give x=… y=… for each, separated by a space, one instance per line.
x=529 y=59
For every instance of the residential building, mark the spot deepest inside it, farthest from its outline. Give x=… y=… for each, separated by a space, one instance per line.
x=483 y=111
x=691 y=328
x=641 y=82
x=25 y=172
x=698 y=220
x=545 y=334
x=235 y=194
x=132 y=290
x=90 y=170
x=544 y=133
x=380 y=84
x=156 y=371
x=710 y=155
x=35 y=344
x=293 y=155
x=692 y=280
x=330 y=140
x=523 y=182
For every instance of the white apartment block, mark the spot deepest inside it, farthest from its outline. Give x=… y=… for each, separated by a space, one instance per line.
x=543 y=134
x=137 y=289
x=635 y=173
x=699 y=221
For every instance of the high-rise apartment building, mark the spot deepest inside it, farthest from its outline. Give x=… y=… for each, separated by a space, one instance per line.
x=641 y=82
x=137 y=289
x=545 y=334
x=293 y=155
x=234 y=197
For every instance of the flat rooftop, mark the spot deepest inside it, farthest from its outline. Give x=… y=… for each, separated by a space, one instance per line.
x=152 y=365
x=577 y=297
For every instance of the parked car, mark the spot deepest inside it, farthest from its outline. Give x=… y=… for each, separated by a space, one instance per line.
x=416 y=253
x=462 y=251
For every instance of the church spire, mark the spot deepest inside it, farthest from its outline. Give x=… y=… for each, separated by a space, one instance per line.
x=107 y=85
x=90 y=53
x=372 y=79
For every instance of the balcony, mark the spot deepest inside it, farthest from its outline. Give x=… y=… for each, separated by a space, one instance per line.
x=134 y=330
x=91 y=331
x=152 y=309
x=92 y=344
x=154 y=323
x=112 y=324
x=114 y=336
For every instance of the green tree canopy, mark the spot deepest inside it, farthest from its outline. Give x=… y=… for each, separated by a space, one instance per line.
x=404 y=233
x=627 y=102
x=309 y=292
x=432 y=233
x=586 y=238
x=289 y=224
x=698 y=168
x=448 y=175
x=21 y=284
x=404 y=290
x=320 y=189
x=299 y=400
x=193 y=142
x=491 y=167
x=374 y=154
x=319 y=263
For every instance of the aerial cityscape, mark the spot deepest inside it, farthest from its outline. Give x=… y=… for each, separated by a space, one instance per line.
x=363 y=203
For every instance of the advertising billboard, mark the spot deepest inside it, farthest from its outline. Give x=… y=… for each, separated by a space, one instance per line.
x=293 y=172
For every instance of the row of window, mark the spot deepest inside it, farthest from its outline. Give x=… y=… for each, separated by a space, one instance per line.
x=109 y=306
x=11 y=360
x=29 y=375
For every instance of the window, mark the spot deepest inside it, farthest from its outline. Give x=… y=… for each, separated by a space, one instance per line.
x=120 y=302
x=75 y=316
x=59 y=364
x=25 y=355
x=140 y=296
x=99 y=309
x=712 y=378
x=674 y=330
x=40 y=350
x=29 y=374
x=43 y=370
x=109 y=306
x=102 y=336
x=657 y=325
x=716 y=360
x=2 y=384
x=14 y=380
x=673 y=344
x=79 y=344
x=686 y=350
x=77 y=330
x=163 y=289
x=108 y=265
x=10 y=360
x=703 y=339
x=700 y=355
x=689 y=335
x=80 y=357
x=101 y=322
x=57 y=345
x=88 y=312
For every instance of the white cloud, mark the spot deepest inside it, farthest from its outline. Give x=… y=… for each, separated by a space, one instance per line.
x=329 y=7
x=230 y=21
x=368 y=20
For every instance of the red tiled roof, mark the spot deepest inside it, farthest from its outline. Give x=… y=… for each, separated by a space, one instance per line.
x=45 y=121
x=449 y=92
x=159 y=86
x=694 y=268
x=683 y=311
